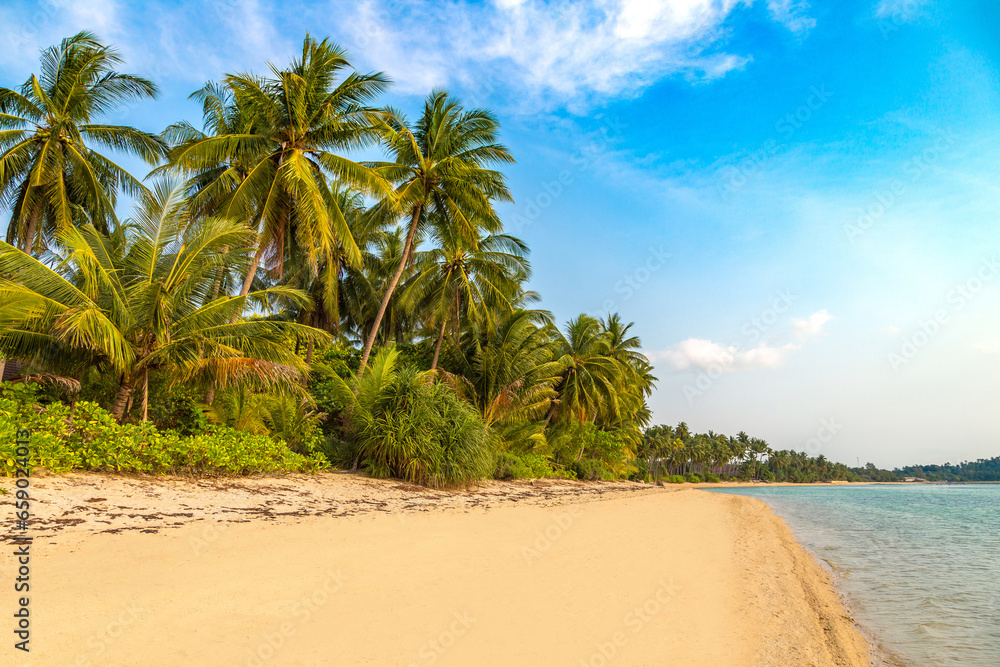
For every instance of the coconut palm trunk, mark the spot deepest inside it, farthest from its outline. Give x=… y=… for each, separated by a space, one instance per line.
x=252 y=271
x=122 y=398
x=410 y=234
x=29 y=233
x=145 y=395
x=437 y=346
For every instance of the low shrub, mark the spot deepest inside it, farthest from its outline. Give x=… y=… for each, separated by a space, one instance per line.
x=711 y=477
x=406 y=425
x=589 y=469
x=87 y=437
x=694 y=479
x=526 y=466
x=675 y=479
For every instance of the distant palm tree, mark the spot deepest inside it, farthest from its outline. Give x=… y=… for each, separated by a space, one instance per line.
x=442 y=165
x=140 y=301
x=51 y=177
x=278 y=147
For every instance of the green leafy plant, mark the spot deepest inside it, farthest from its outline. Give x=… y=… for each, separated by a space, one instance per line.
x=408 y=426
x=87 y=437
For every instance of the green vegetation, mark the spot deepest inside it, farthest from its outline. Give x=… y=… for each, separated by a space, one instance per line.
x=275 y=304
x=87 y=437
x=981 y=470
x=226 y=326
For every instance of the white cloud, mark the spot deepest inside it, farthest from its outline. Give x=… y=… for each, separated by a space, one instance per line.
x=813 y=325
x=793 y=13
x=556 y=52
x=903 y=11
x=698 y=354
x=705 y=355
x=26 y=31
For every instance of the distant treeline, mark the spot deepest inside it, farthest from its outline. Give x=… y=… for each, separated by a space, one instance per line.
x=677 y=454
x=981 y=470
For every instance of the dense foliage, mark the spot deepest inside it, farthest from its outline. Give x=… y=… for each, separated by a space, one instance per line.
x=263 y=264
x=87 y=437
x=273 y=299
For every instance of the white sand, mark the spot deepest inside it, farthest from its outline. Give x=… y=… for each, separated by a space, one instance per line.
x=552 y=574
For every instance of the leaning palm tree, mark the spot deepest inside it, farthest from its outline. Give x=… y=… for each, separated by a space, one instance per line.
x=140 y=302
x=442 y=165
x=470 y=282
x=275 y=153
x=51 y=176
x=361 y=290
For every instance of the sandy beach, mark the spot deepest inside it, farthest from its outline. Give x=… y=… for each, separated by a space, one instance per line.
x=340 y=569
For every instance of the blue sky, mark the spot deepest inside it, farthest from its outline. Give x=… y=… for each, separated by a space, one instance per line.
x=795 y=202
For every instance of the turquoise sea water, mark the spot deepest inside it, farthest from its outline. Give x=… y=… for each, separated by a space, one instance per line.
x=920 y=564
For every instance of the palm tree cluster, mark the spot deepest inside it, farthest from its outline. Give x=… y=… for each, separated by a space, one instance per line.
x=668 y=451
x=260 y=239
x=675 y=450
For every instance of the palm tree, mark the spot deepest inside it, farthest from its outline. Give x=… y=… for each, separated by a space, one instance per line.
x=440 y=166
x=471 y=283
x=318 y=313
x=637 y=380
x=51 y=177
x=140 y=301
x=511 y=376
x=743 y=447
x=361 y=290
x=589 y=382
x=279 y=146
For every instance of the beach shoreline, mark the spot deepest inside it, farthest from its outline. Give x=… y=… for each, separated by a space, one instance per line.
x=215 y=566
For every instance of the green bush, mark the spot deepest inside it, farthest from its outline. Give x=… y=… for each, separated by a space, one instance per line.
x=712 y=477
x=675 y=479
x=87 y=437
x=592 y=469
x=694 y=479
x=526 y=466
x=406 y=425
x=605 y=455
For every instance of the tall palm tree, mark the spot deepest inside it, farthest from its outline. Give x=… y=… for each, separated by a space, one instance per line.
x=474 y=282
x=442 y=165
x=51 y=176
x=140 y=301
x=275 y=165
x=318 y=312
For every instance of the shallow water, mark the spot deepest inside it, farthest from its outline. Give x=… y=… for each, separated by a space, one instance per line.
x=920 y=564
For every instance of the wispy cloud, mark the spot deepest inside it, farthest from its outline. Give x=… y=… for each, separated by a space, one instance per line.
x=792 y=13
x=24 y=31
x=699 y=354
x=565 y=52
x=904 y=11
